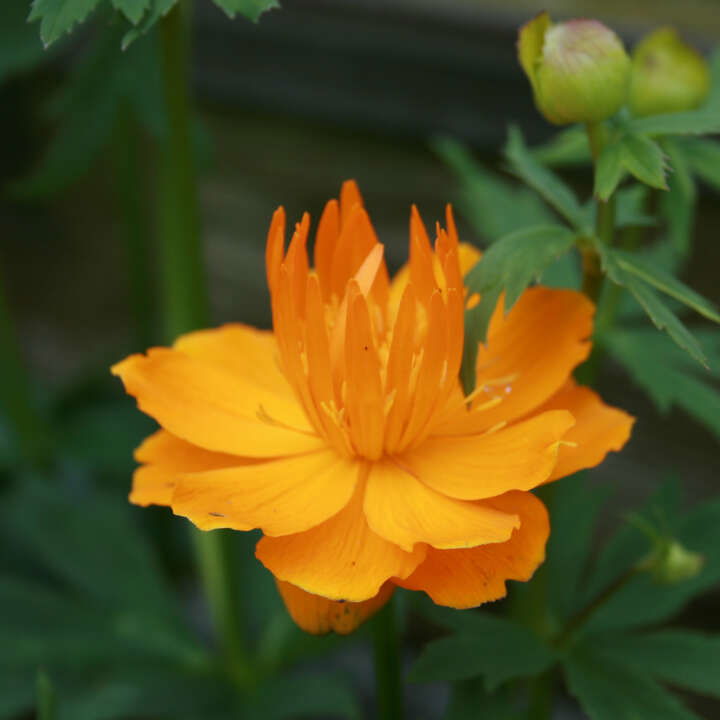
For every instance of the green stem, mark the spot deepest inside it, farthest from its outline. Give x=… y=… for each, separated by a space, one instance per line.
x=15 y=397
x=185 y=305
x=129 y=191
x=388 y=668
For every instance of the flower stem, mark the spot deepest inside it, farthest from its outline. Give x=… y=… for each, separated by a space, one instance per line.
x=388 y=669
x=185 y=304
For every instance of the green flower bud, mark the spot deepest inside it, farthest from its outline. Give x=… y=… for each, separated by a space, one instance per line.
x=672 y=563
x=667 y=75
x=579 y=70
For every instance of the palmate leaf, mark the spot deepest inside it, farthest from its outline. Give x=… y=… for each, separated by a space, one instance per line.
x=633 y=153
x=668 y=376
x=470 y=700
x=544 y=181
x=486 y=645
x=58 y=17
x=683 y=658
x=133 y=10
x=510 y=265
x=608 y=692
x=494 y=206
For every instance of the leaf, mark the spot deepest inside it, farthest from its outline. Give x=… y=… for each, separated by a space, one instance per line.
x=668 y=376
x=608 y=692
x=703 y=157
x=695 y=122
x=158 y=9
x=251 y=9
x=59 y=16
x=490 y=646
x=510 y=264
x=548 y=185
x=20 y=48
x=45 y=697
x=666 y=283
x=681 y=657
x=133 y=10
x=630 y=207
x=576 y=505
x=568 y=147
x=678 y=205
x=494 y=206
x=609 y=171
x=660 y=314
x=470 y=701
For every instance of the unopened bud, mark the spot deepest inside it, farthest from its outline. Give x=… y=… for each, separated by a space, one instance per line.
x=672 y=563
x=579 y=70
x=667 y=75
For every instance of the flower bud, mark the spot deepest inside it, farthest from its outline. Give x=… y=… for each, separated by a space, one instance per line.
x=579 y=70
x=672 y=563
x=667 y=75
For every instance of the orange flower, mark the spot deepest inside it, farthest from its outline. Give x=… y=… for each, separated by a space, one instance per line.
x=344 y=434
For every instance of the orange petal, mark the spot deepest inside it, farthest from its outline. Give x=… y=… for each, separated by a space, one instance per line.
x=473 y=467
x=166 y=458
x=318 y=615
x=206 y=405
x=467 y=578
x=327 y=235
x=599 y=428
x=281 y=497
x=401 y=509
x=275 y=247
x=342 y=559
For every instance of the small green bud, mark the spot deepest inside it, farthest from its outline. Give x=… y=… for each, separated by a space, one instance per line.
x=579 y=70
x=667 y=75
x=672 y=563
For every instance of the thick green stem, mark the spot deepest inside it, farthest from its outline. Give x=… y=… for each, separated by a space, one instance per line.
x=388 y=664
x=135 y=226
x=15 y=397
x=185 y=304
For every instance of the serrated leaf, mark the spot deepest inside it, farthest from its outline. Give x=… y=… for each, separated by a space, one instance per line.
x=683 y=658
x=609 y=171
x=666 y=283
x=695 y=122
x=509 y=265
x=251 y=9
x=59 y=16
x=678 y=205
x=133 y=10
x=607 y=692
x=495 y=648
x=545 y=182
x=158 y=9
x=668 y=376
x=494 y=206
x=644 y=159
x=569 y=147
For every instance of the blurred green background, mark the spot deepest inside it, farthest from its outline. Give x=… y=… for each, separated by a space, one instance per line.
x=315 y=93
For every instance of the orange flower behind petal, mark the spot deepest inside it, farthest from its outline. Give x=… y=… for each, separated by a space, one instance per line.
x=344 y=435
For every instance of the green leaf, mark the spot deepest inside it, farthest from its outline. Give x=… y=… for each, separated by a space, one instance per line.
x=608 y=692
x=546 y=183
x=630 y=207
x=644 y=159
x=59 y=16
x=470 y=700
x=695 y=122
x=660 y=314
x=678 y=205
x=495 y=648
x=494 y=206
x=133 y=10
x=609 y=171
x=20 y=48
x=569 y=147
x=251 y=9
x=703 y=157
x=510 y=264
x=158 y=10
x=681 y=657
x=668 y=376
x=666 y=283
x=45 y=697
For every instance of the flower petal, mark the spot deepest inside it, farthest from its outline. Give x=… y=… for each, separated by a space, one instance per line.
x=318 y=615
x=599 y=428
x=165 y=458
x=473 y=467
x=209 y=407
x=467 y=578
x=401 y=509
x=284 y=496
x=342 y=559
